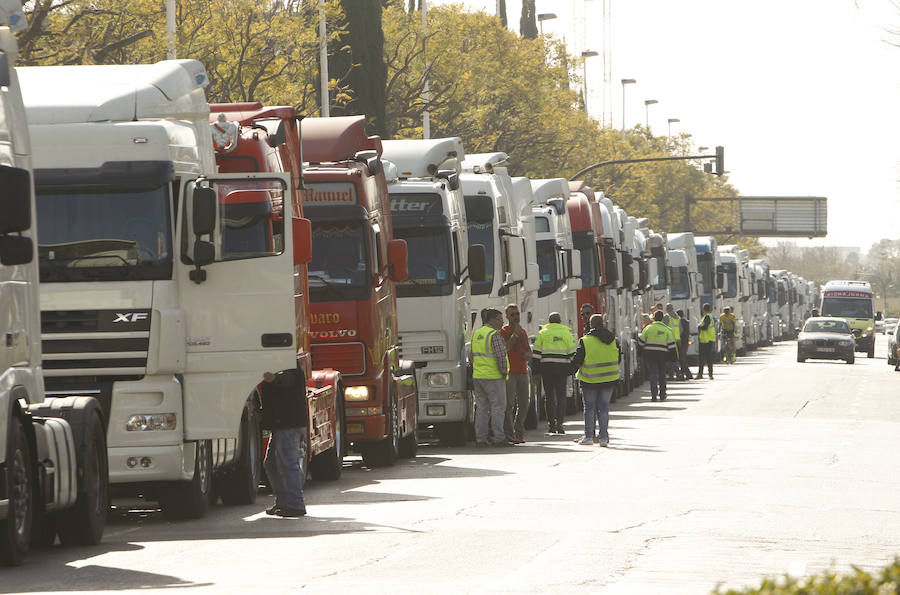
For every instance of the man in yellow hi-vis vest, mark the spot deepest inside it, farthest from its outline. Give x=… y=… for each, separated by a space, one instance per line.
x=658 y=346
x=551 y=356
x=707 y=341
x=489 y=370
x=597 y=364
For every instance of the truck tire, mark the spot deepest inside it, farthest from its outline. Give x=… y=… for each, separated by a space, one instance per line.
x=871 y=352
x=191 y=499
x=240 y=484
x=409 y=445
x=452 y=433
x=83 y=524
x=329 y=465
x=15 y=529
x=384 y=453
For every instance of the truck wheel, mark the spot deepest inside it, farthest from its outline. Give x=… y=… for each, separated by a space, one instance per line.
x=191 y=499
x=409 y=445
x=240 y=484
x=83 y=524
x=330 y=464
x=454 y=433
x=15 y=529
x=871 y=353
x=384 y=453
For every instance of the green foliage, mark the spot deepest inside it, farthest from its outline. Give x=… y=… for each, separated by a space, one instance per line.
x=858 y=582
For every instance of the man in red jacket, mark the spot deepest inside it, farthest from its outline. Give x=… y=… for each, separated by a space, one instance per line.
x=518 y=351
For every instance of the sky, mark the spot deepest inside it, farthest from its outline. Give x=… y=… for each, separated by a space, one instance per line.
x=803 y=94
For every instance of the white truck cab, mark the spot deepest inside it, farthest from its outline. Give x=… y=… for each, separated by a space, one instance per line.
x=685 y=283
x=433 y=302
x=164 y=293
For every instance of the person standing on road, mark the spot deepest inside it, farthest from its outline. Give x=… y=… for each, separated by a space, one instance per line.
x=489 y=370
x=587 y=310
x=727 y=322
x=673 y=321
x=658 y=345
x=518 y=350
x=596 y=364
x=707 y=341
x=283 y=397
x=552 y=353
x=683 y=347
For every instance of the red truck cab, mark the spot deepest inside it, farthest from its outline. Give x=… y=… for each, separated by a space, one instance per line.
x=249 y=137
x=584 y=219
x=356 y=262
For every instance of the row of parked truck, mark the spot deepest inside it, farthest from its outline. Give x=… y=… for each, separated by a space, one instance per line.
x=159 y=254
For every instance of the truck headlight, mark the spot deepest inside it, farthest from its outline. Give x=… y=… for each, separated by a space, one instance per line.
x=356 y=393
x=438 y=379
x=151 y=422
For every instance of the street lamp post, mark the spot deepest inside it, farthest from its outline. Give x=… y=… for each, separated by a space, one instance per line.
x=323 y=63
x=647 y=104
x=671 y=121
x=171 y=52
x=625 y=82
x=544 y=16
x=586 y=54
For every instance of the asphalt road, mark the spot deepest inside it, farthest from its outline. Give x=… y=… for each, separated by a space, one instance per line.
x=773 y=467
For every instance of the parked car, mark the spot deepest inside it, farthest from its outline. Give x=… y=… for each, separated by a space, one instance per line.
x=890 y=324
x=893 y=341
x=825 y=338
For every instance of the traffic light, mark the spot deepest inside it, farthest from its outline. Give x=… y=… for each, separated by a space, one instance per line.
x=720 y=161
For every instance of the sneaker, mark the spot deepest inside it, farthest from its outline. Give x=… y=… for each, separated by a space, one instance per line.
x=291 y=512
x=604 y=443
x=586 y=440
x=481 y=444
x=560 y=430
x=273 y=510
x=520 y=439
x=662 y=397
x=653 y=398
x=596 y=440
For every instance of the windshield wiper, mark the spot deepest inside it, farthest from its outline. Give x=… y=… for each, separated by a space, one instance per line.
x=327 y=284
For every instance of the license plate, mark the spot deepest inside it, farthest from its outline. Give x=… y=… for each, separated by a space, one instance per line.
x=826 y=349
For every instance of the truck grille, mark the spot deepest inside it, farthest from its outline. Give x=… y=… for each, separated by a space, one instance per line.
x=95 y=342
x=347 y=358
x=423 y=346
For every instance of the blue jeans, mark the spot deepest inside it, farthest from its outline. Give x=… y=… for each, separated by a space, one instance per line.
x=657 y=369
x=596 y=407
x=283 y=467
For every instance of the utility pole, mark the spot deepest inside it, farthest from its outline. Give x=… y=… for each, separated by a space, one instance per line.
x=426 y=116
x=170 y=30
x=323 y=63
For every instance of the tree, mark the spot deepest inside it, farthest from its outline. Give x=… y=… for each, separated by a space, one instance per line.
x=528 y=20
x=357 y=58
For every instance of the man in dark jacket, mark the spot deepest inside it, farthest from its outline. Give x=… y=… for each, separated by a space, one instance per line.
x=284 y=414
x=596 y=363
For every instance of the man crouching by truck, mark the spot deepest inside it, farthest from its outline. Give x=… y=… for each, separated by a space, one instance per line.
x=284 y=415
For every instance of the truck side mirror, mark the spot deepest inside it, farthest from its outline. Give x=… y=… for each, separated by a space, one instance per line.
x=204 y=213
x=451 y=176
x=372 y=161
x=398 y=260
x=575 y=265
x=16 y=250
x=477 y=260
x=15 y=208
x=575 y=284
x=302 y=237
x=515 y=254
x=204 y=253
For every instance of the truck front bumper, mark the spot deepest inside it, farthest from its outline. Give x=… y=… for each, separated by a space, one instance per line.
x=141 y=464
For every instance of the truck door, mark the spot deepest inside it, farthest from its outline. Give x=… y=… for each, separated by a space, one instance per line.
x=236 y=289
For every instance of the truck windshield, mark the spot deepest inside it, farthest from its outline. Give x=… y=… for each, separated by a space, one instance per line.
x=661 y=280
x=847 y=307
x=101 y=235
x=339 y=269
x=430 y=272
x=680 y=286
x=707 y=272
x=731 y=275
x=547 y=261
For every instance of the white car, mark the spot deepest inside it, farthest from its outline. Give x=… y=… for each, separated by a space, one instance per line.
x=889 y=325
x=893 y=341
